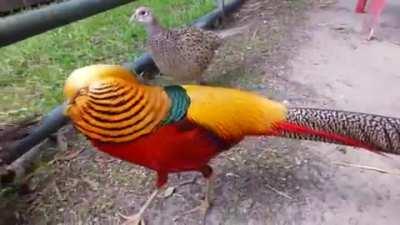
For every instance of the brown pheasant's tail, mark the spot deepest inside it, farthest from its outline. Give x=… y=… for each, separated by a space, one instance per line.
x=372 y=132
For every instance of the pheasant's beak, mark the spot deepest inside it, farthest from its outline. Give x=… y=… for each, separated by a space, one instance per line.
x=132 y=18
x=66 y=105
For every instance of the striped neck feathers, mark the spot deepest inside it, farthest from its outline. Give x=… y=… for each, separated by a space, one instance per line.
x=113 y=110
x=116 y=111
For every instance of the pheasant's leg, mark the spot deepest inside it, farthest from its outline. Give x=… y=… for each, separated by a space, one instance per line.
x=137 y=218
x=209 y=195
x=208 y=174
x=207 y=202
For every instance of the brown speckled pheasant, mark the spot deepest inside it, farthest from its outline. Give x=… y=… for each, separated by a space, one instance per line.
x=183 y=54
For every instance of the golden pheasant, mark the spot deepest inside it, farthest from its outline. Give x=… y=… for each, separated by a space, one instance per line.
x=182 y=54
x=181 y=128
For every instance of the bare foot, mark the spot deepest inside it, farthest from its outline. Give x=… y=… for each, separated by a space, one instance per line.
x=133 y=220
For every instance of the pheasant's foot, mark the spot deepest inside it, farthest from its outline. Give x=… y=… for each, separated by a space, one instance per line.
x=204 y=208
x=205 y=205
x=137 y=219
x=133 y=220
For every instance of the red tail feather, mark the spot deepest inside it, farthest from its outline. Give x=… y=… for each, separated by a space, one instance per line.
x=308 y=133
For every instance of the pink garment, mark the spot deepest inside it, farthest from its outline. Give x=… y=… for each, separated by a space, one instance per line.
x=375 y=7
x=360 y=7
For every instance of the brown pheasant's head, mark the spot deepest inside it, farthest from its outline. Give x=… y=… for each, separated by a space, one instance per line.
x=143 y=15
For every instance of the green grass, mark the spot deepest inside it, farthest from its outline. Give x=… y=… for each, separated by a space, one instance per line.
x=32 y=72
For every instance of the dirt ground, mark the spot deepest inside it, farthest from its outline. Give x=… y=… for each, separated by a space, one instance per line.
x=348 y=73
x=306 y=55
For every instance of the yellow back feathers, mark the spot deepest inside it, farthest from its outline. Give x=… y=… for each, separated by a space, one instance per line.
x=233 y=114
x=107 y=103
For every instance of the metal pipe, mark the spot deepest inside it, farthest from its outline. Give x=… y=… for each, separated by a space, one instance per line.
x=49 y=125
x=21 y=26
x=207 y=21
x=56 y=119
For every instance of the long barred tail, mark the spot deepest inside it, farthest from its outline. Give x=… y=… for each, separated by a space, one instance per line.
x=368 y=131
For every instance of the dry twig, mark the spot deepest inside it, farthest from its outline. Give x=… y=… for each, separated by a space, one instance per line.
x=345 y=164
x=67 y=157
x=279 y=192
